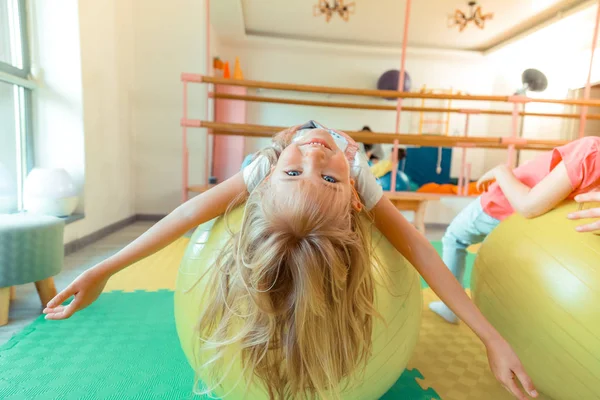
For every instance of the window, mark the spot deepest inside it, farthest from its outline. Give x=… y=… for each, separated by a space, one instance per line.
x=16 y=153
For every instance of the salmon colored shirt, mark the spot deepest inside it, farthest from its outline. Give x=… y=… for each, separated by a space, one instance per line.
x=582 y=159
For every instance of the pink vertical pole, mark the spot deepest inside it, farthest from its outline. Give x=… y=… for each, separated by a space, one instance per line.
x=463 y=162
x=586 y=92
x=400 y=89
x=228 y=151
x=402 y=64
x=184 y=189
x=462 y=171
x=208 y=70
x=395 y=166
x=468 y=178
x=514 y=129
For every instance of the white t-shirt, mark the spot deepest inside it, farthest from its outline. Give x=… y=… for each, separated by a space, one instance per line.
x=367 y=187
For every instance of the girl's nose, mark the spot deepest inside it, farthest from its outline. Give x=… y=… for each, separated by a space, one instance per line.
x=315 y=154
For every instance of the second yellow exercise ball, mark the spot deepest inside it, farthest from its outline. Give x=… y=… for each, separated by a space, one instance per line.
x=538 y=282
x=398 y=300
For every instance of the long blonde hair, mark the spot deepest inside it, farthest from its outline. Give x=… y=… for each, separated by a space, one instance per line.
x=294 y=291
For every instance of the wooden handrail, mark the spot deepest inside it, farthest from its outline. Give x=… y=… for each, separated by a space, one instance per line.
x=343 y=91
x=382 y=107
x=378 y=93
x=258 y=131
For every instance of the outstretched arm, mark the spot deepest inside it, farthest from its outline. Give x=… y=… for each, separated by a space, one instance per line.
x=202 y=208
x=421 y=254
x=543 y=197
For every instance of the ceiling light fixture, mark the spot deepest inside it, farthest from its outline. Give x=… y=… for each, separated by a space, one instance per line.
x=325 y=8
x=476 y=16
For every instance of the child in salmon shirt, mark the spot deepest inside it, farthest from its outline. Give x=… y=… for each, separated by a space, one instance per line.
x=532 y=189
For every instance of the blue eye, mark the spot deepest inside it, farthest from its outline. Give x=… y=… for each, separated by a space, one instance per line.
x=293 y=173
x=329 y=179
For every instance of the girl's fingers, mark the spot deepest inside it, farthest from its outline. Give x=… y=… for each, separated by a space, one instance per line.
x=66 y=311
x=61 y=297
x=53 y=310
x=526 y=382
x=592 y=227
x=591 y=213
x=590 y=196
x=514 y=389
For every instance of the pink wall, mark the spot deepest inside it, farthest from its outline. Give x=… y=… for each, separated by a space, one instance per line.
x=228 y=150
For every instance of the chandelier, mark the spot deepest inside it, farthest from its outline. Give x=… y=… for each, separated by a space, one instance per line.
x=476 y=16
x=327 y=8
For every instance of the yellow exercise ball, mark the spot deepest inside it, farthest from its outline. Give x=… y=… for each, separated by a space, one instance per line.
x=538 y=282
x=398 y=299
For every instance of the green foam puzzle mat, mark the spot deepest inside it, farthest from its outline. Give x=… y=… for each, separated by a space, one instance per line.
x=124 y=346
x=470 y=261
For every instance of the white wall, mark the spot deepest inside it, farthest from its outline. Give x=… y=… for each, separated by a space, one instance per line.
x=592 y=127
x=169 y=40
x=84 y=50
x=110 y=102
x=360 y=67
x=561 y=52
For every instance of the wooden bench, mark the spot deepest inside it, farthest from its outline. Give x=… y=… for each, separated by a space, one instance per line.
x=404 y=201
x=413 y=201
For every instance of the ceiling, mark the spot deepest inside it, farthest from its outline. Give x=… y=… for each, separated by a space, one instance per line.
x=573 y=32
x=381 y=22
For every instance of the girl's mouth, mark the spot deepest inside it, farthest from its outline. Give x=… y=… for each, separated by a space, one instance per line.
x=317 y=142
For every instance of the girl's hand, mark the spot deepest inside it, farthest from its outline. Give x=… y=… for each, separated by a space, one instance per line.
x=86 y=289
x=487 y=178
x=590 y=213
x=507 y=368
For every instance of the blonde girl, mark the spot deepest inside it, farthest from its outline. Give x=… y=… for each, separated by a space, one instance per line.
x=297 y=279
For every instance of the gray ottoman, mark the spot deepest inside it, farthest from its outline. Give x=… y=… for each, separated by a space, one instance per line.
x=31 y=250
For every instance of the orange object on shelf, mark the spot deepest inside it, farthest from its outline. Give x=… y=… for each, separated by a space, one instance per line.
x=237 y=70
x=217 y=63
x=226 y=73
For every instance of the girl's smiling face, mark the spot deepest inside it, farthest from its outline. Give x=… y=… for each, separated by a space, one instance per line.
x=314 y=156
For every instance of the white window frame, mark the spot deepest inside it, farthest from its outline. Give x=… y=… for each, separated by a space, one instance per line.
x=23 y=92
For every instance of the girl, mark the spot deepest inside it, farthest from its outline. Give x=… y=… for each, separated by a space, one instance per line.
x=533 y=189
x=297 y=280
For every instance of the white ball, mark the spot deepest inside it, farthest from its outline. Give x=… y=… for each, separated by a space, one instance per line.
x=50 y=191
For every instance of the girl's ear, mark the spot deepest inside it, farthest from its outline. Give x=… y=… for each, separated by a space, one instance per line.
x=356 y=203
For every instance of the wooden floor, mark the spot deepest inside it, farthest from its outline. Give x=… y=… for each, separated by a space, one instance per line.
x=26 y=307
